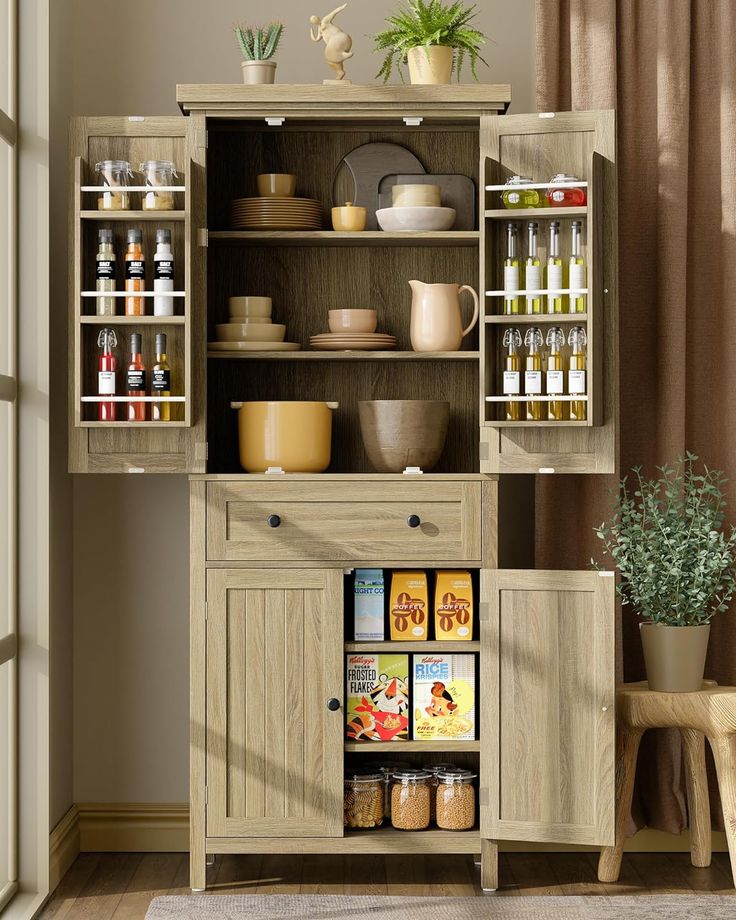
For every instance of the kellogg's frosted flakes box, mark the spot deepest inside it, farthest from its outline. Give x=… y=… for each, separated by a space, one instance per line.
x=443 y=697
x=377 y=691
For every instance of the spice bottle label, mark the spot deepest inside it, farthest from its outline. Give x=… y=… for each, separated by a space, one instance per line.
x=135 y=270
x=577 y=277
x=511 y=383
x=511 y=278
x=136 y=380
x=163 y=270
x=533 y=382
x=555 y=383
x=106 y=383
x=105 y=270
x=576 y=381
x=161 y=381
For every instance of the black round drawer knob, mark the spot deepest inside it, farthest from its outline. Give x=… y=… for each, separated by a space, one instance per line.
x=274 y=520
x=333 y=705
x=413 y=520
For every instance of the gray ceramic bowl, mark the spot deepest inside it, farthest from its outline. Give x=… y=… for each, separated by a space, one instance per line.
x=403 y=432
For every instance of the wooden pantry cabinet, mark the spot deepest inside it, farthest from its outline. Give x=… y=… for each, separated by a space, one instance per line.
x=268 y=637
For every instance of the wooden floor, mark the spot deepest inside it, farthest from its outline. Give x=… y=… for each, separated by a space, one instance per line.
x=119 y=886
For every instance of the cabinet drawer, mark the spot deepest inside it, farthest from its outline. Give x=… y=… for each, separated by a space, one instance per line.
x=368 y=522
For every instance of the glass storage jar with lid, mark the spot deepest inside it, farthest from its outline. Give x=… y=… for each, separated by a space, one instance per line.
x=113 y=174
x=433 y=769
x=158 y=174
x=387 y=768
x=515 y=197
x=455 y=806
x=363 y=799
x=410 y=794
x=564 y=193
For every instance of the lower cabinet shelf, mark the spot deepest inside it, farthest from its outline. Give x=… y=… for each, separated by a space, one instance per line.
x=407 y=747
x=382 y=840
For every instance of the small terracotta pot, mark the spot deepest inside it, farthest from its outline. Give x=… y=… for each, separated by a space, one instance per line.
x=674 y=656
x=398 y=433
x=432 y=65
x=258 y=71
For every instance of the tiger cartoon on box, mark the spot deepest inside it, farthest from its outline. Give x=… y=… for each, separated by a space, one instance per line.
x=378 y=701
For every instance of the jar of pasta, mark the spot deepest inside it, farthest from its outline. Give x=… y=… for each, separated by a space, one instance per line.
x=410 y=794
x=158 y=174
x=363 y=799
x=113 y=175
x=433 y=769
x=564 y=193
x=387 y=769
x=516 y=197
x=455 y=806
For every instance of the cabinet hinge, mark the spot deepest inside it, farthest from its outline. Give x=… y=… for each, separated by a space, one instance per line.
x=484 y=611
x=201 y=450
x=206 y=139
x=483 y=797
x=203 y=236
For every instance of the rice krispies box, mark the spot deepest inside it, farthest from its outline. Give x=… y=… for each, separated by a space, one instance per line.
x=443 y=698
x=377 y=692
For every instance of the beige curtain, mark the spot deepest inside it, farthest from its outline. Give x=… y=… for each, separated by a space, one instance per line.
x=669 y=69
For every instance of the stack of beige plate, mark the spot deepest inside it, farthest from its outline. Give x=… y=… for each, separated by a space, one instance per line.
x=250 y=328
x=275 y=214
x=353 y=341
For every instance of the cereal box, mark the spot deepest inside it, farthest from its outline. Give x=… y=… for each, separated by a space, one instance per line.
x=453 y=606
x=443 y=697
x=377 y=691
x=368 y=592
x=409 y=610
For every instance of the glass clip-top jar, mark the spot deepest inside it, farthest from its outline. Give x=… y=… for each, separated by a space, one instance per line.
x=158 y=174
x=515 y=197
x=363 y=799
x=115 y=175
x=387 y=769
x=410 y=795
x=455 y=806
x=567 y=196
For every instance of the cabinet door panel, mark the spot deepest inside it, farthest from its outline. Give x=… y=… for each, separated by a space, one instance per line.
x=274 y=641
x=548 y=725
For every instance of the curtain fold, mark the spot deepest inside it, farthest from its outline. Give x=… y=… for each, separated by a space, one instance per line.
x=667 y=67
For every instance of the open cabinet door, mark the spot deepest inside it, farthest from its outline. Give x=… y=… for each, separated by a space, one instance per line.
x=547 y=726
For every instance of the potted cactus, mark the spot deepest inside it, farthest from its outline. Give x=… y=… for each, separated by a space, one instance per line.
x=258 y=45
x=677 y=563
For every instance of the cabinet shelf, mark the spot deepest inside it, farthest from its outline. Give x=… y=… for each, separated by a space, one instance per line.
x=396 y=747
x=388 y=839
x=510 y=319
x=426 y=647
x=346 y=355
x=134 y=425
x=132 y=320
x=132 y=216
x=332 y=238
x=513 y=214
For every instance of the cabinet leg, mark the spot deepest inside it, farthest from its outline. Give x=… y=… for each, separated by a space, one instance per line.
x=627 y=747
x=698 y=805
x=198 y=872
x=488 y=865
x=724 y=754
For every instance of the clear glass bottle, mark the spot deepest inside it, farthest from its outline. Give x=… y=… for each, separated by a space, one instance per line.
x=113 y=174
x=555 y=376
x=158 y=174
x=532 y=270
x=554 y=278
x=512 y=373
x=511 y=271
x=515 y=197
x=455 y=807
x=534 y=342
x=161 y=381
x=577 y=273
x=576 y=377
x=135 y=274
x=163 y=274
x=410 y=794
x=107 y=365
x=105 y=273
x=136 y=380
x=564 y=193
x=363 y=799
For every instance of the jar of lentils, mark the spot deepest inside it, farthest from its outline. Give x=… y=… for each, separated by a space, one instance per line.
x=387 y=769
x=433 y=769
x=455 y=800
x=410 y=795
x=363 y=799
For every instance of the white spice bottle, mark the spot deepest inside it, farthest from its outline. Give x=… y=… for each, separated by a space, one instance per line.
x=163 y=274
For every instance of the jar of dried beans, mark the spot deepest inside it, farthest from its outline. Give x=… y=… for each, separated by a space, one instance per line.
x=455 y=800
x=158 y=174
x=410 y=794
x=363 y=799
x=113 y=177
x=387 y=769
x=433 y=769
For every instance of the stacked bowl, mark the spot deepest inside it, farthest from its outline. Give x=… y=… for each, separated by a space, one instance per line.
x=250 y=328
x=416 y=209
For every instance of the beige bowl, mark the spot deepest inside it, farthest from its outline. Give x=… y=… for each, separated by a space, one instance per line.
x=349 y=219
x=416 y=196
x=254 y=320
x=250 y=332
x=398 y=433
x=276 y=185
x=250 y=306
x=353 y=320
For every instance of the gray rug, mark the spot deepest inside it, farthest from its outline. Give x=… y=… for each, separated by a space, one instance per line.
x=338 y=907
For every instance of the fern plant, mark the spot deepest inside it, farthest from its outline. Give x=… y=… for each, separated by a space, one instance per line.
x=667 y=539
x=259 y=43
x=423 y=23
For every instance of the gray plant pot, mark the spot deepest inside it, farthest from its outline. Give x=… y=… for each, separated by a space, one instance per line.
x=674 y=656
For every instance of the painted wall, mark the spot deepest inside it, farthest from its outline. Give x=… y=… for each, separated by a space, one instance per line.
x=130 y=533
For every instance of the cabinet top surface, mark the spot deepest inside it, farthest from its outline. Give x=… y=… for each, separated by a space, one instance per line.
x=342 y=477
x=231 y=100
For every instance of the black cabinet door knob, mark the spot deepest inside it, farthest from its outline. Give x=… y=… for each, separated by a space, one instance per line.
x=333 y=705
x=274 y=520
x=413 y=520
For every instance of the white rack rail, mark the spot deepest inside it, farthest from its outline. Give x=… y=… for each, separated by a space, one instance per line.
x=133 y=399
x=100 y=294
x=122 y=189
x=513 y=188
x=525 y=399
x=554 y=292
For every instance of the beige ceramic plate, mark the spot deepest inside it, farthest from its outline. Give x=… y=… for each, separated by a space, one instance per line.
x=275 y=225
x=253 y=346
x=339 y=336
x=283 y=210
x=353 y=346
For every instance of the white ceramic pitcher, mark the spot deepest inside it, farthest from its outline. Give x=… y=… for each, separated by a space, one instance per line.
x=436 y=320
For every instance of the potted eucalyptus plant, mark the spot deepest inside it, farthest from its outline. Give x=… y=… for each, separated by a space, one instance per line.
x=258 y=45
x=677 y=563
x=434 y=38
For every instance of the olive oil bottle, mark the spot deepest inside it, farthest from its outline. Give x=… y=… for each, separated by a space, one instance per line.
x=511 y=271
x=532 y=270
x=554 y=269
x=161 y=382
x=577 y=273
x=576 y=378
x=512 y=373
x=555 y=377
x=533 y=341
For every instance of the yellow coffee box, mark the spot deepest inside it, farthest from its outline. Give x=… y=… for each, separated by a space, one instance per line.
x=409 y=609
x=453 y=605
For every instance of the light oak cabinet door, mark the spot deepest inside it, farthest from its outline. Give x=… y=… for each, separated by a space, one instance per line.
x=274 y=659
x=547 y=653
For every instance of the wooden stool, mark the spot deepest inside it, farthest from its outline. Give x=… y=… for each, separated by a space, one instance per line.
x=711 y=713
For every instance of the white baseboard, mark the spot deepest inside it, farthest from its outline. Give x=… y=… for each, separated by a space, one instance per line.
x=63 y=846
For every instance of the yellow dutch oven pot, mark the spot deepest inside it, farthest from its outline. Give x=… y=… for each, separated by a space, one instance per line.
x=293 y=436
